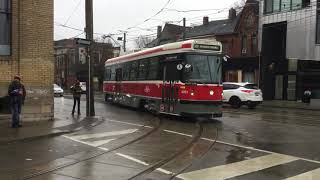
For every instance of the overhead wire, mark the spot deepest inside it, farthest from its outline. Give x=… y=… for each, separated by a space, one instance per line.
x=74 y=10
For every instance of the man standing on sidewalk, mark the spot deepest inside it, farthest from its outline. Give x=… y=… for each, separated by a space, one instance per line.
x=17 y=94
x=76 y=92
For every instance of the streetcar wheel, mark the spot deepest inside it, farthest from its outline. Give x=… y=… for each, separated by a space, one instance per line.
x=235 y=102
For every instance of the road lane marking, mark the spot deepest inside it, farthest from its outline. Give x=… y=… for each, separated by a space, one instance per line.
x=132 y=159
x=174 y=132
x=143 y=163
x=78 y=129
x=101 y=142
x=311 y=175
x=79 y=141
x=133 y=124
x=101 y=135
x=238 y=168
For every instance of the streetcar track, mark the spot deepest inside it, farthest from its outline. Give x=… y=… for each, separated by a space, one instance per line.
x=42 y=172
x=200 y=158
x=160 y=163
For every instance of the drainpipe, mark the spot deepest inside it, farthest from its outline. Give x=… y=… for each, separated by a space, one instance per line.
x=19 y=30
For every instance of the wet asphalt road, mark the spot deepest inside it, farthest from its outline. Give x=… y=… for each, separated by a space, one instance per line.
x=122 y=143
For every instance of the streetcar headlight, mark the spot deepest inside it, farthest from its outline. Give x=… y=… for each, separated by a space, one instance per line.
x=192 y=93
x=211 y=93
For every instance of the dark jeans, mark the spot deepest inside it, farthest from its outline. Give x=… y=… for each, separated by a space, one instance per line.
x=16 y=111
x=75 y=100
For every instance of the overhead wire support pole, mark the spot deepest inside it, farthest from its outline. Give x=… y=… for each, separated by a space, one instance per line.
x=124 y=41
x=89 y=36
x=184 y=28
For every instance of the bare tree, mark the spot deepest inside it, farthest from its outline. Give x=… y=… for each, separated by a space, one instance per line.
x=142 y=41
x=238 y=6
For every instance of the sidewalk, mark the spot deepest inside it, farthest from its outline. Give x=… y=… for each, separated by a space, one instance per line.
x=35 y=130
x=314 y=105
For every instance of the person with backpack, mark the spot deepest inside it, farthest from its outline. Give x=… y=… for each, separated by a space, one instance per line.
x=76 y=92
x=17 y=94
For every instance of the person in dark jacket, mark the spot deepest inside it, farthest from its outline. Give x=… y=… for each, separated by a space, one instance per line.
x=76 y=92
x=17 y=94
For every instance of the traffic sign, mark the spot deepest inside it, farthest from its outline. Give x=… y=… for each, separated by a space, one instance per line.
x=83 y=41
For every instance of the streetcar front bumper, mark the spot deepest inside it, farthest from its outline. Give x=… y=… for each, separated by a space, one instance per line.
x=208 y=109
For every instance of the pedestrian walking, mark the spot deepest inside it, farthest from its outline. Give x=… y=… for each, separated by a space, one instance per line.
x=76 y=92
x=17 y=93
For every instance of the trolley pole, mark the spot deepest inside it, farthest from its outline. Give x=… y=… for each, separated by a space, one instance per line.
x=89 y=36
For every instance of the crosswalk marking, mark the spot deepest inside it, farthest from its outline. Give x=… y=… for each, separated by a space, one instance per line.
x=311 y=175
x=238 y=168
x=101 y=135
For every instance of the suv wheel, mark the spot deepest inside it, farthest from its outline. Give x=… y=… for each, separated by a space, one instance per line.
x=235 y=102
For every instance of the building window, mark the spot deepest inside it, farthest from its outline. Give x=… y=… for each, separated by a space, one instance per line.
x=5 y=27
x=276 y=5
x=244 y=45
x=254 y=45
x=268 y=6
x=271 y=6
x=286 y=5
x=318 y=23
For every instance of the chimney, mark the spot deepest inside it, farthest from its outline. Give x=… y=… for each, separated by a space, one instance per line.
x=205 y=20
x=159 y=31
x=232 y=14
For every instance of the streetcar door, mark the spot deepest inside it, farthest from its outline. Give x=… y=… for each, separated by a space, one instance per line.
x=118 y=88
x=170 y=95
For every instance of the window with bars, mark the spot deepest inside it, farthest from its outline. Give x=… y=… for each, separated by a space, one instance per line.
x=5 y=27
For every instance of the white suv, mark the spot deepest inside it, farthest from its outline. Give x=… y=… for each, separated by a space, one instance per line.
x=237 y=94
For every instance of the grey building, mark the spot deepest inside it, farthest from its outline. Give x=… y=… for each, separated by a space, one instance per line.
x=289 y=44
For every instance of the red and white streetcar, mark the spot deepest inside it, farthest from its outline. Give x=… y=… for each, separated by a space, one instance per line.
x=182 y=78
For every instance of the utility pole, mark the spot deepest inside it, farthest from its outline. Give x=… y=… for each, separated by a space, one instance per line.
x=124 y=41
x=184 y=28
x=89 y=37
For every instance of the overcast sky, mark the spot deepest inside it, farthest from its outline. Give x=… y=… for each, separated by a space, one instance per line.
x=114 y=16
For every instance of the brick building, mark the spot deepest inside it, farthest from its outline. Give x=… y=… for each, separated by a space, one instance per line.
x=26 y=48
x=70 y=62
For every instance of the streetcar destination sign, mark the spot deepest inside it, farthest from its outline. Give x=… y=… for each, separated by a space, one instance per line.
x=207 y=47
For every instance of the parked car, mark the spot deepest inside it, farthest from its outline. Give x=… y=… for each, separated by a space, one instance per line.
x=238 y=94
x=58 y=91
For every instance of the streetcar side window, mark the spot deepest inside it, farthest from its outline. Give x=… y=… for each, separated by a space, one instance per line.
x=134 y=70
x=153 y=69
x=126 y=71
x=107 y=74
x=143 y=69
x=113 y=73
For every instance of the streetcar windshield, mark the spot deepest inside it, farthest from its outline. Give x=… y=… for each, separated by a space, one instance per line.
x=204 y=69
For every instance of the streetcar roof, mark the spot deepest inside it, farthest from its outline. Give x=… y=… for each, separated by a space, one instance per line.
x=171 y=48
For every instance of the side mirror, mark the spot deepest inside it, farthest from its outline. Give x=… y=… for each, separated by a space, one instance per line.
x=226 y=58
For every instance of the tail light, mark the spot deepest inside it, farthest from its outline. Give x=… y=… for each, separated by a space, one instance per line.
x=247 y=91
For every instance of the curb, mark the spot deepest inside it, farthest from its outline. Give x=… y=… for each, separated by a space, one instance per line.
x=42 y=136
x=286 y=107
